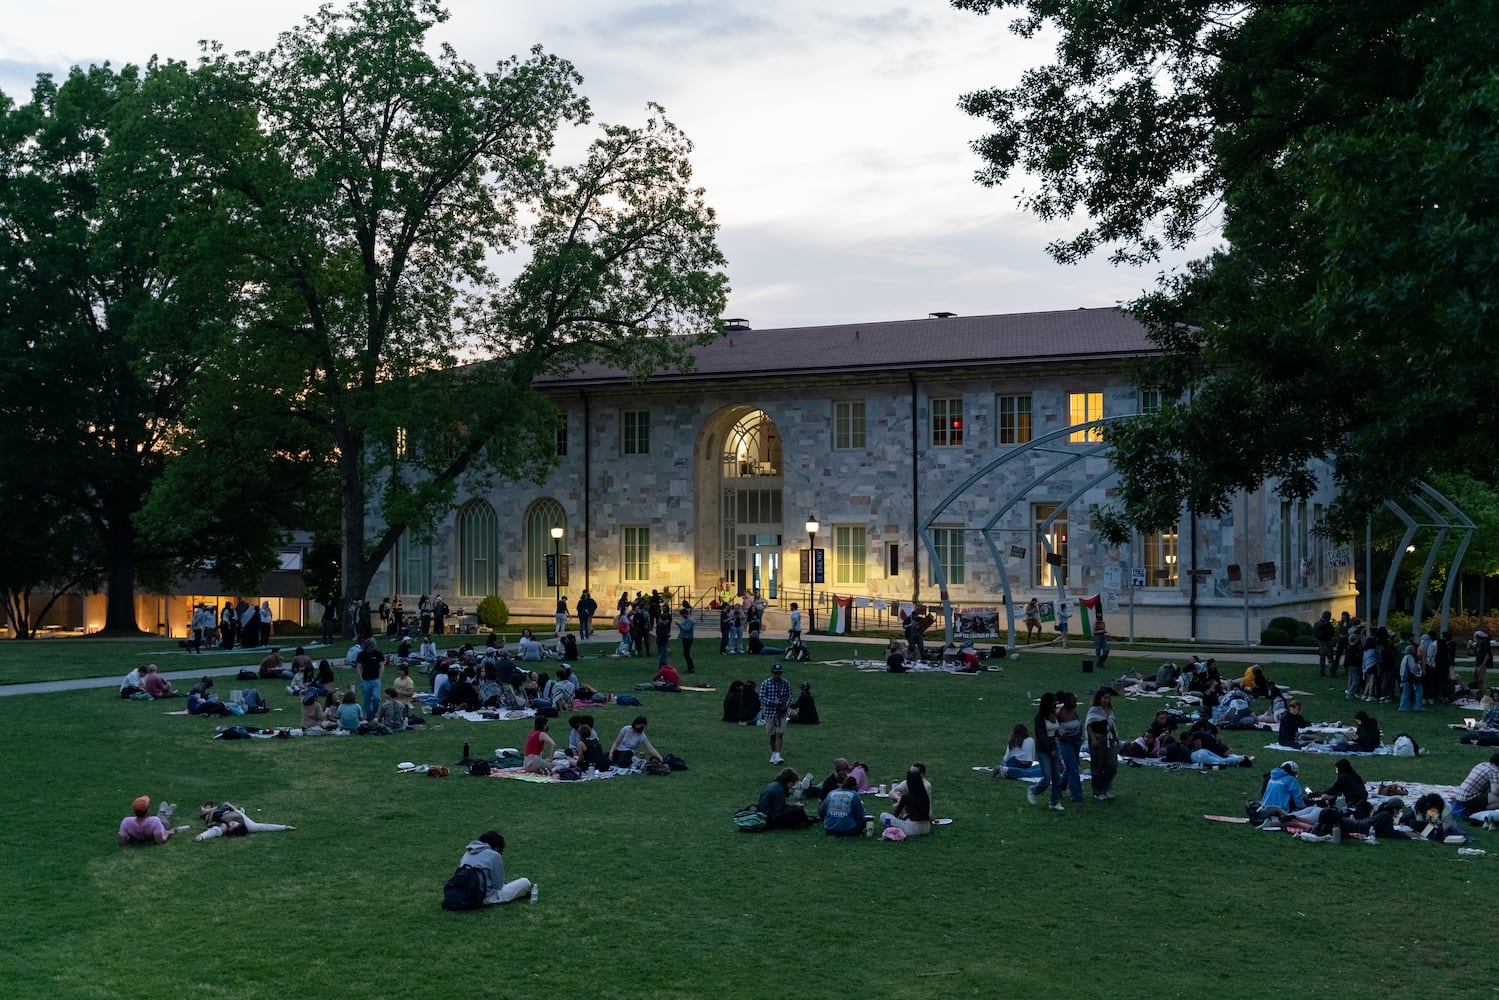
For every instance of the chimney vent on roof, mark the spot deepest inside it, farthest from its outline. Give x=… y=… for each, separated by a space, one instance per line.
x=736 y=324
x=940 y=315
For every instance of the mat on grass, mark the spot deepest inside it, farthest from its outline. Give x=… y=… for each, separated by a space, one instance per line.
x=520 y=774
x=1325 y=748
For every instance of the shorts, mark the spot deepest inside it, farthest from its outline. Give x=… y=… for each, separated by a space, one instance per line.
x=775 y=725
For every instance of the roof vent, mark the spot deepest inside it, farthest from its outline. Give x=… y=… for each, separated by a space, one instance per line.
x=939 y=315
x=736 y=324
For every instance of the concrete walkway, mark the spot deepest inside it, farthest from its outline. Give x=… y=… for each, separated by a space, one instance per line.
x=228 y=663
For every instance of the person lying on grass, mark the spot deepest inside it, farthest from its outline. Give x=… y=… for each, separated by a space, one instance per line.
x=225 y=819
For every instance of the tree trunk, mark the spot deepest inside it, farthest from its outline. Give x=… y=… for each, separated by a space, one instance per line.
x=119 y=601
x=356 y=572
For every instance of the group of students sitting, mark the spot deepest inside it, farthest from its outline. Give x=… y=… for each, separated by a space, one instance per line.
x=585 y=751
x=469 y=685
x=1200 y=744
x=1345 y=809
x=841 y=811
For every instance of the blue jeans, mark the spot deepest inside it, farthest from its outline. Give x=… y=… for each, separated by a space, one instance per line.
x=371 y=692
x=1024 y=773
x=1209 y=759
x=1411 y=696
x=736 y=638
x=1071 y=769
x=1048 y=766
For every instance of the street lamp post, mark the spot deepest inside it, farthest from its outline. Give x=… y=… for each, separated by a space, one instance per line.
x=557 y=560
x=812 y=527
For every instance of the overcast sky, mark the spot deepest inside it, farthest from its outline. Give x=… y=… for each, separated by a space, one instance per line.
x=827 y=131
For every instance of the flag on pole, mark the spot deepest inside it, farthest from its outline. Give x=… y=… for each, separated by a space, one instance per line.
x=838 y=615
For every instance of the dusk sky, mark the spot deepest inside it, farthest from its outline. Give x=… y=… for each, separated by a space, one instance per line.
x=827 y=132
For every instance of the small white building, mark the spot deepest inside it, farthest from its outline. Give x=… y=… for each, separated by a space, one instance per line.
x=710 y=475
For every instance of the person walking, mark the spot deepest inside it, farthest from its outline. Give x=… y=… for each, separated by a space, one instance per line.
x=686 y=630
x=1326 y=635
x=587 y=608
x=775 y=707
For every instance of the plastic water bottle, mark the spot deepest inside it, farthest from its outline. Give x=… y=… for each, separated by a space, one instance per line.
x=535 y=891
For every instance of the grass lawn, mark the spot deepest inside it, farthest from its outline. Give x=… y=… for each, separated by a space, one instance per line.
x=648 y=891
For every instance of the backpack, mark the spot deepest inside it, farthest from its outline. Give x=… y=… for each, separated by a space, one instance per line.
x=799 y=653
x=749 y=820
x=1405 y=746
x=657 y=767
x=466 y=889
x=627 y=699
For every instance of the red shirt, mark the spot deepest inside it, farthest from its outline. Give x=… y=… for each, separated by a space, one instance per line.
x=533 y=743
x=668 y=673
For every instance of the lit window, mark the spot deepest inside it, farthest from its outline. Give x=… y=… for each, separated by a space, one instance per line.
x=637 y=552
x=947 y=423
x=1051 y=544
x=848 y=425
x=1014 y=419
x=1081 y=408
x=849 y=553
x=949 y=545
x=1158 y=556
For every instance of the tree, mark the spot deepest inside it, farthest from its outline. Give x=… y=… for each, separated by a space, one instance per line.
x=112 y=293
x=1350 y=149
x=385 y=183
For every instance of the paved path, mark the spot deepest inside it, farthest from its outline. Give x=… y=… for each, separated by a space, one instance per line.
x=227 y=664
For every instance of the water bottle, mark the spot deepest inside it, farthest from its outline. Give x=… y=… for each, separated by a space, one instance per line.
x=1341 y=803
x=465 y=749
x=535 y=891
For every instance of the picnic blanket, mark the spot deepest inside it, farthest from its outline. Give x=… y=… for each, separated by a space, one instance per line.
x=1327 y=748
x=494 y=715
x=520 y=774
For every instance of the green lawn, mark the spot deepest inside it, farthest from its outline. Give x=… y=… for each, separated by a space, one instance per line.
x=647 y=890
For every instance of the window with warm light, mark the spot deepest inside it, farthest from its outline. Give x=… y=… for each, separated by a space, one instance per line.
x=850 y=553
x=947 y=422
x=1051 y=539
x=636 y=540
x=949 y=545
x=1014 y=424
x=1081 y=408
x=1158 y=557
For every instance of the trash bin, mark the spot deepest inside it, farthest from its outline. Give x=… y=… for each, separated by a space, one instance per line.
x=1087 y=665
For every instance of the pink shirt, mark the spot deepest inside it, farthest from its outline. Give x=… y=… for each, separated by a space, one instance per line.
x=144 y=831
x=156 y=685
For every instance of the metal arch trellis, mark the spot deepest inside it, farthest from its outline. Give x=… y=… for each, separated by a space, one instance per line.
x=1070 y=457
x=1444 y=523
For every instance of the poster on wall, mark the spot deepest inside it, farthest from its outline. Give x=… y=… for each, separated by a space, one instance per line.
x=1113 y=575
x=978 y=623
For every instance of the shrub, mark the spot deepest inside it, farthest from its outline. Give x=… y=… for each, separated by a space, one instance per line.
x=1290 y=626
x=493 y=612
x=1274 y=637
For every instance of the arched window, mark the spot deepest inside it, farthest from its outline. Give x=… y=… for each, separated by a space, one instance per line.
x=539 y=520
x=410 y=566
x=478 y=531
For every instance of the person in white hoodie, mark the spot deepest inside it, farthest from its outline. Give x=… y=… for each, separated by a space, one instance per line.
x=488 y=853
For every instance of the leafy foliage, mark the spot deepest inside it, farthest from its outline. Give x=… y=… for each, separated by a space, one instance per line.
x=493 y=611
x=1349 y=150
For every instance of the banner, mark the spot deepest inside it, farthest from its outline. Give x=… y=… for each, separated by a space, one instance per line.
x=1048 y=611
x=1087 y=610
x=978 y=623
x=838 y=615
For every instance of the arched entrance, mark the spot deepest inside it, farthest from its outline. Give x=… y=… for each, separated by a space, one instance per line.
x=742 y=468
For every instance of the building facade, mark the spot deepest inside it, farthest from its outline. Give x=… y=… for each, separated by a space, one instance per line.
x=921 y=448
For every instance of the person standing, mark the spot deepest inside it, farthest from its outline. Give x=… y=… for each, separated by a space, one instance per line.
x=663 y=636
x=587 y=608
x=1100 y=645
x=371 y=665
x=1410 y=679
x=725 y=626
x=439 y=615
x=228 y=626
x=1070 y=743
x=1340 y=650
x=1046 y=729
x=397 y=617
x=775 y=706
x=795 y=632
x=1326 y=635
x=686 y=630
x=1032 y=619
x=561 y=615
x=1483 y=659
x=424 y=614
x=1103 y=743
x=330 y=620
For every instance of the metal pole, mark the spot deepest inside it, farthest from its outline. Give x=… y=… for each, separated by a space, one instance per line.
x=812 y=582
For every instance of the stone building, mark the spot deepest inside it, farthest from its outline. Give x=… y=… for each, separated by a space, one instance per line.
x=956 y=449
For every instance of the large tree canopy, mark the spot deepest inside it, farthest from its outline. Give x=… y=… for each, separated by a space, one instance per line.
x=386 y=181
x=1350 y=152
x=112 y=293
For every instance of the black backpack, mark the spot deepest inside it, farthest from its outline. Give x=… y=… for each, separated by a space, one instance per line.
x=466 y=889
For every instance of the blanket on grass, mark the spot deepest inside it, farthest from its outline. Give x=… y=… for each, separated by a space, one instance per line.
x=1328 y=749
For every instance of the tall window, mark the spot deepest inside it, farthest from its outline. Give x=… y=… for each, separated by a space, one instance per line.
x=635 y=426
x=949 y=546
x=411 y=566
x=1051 y=540
x=849 y=553
x=848 y=425
x=892 y=560
x=1286 y=570
x=539 y=520
x=1158 y=556
x=1014 y=419
x=947 y=422
x=1081 y=408
x=561 y=435
x=637 y=552
x=478 y=530
x=1149 y=400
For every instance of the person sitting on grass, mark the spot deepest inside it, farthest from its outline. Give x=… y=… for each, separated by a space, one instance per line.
x=228 y=820
x=588 y=752
x=1209 y=751
x=667 y=678
x=1019 y=761
x=1365 y=735
x=132 y=683
x=842 y=811
x=834 y=781
x=1291 y=724
x=631 y=741
x=1280 y=794
x=1347 y=785
x=1277 y=710
x=390 y=717
x=911 y=804
x=780 y=812
x=273 y=666
x=488 y=853
x=350 y=715
x=202 y=701
x=315 y=720
x=156 y=685
x=539 y=748
x=142 y=827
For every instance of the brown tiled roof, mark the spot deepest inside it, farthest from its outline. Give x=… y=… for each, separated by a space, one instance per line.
x=1018 y=338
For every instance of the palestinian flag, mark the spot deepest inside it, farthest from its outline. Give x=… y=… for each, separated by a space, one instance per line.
x=838 y=615
x=1087 y=609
